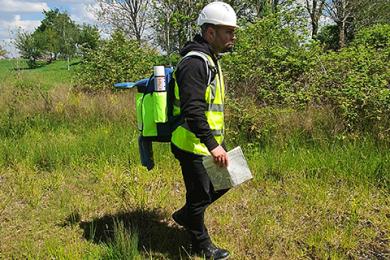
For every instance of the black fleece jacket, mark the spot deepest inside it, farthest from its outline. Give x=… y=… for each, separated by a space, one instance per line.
x=191 y=76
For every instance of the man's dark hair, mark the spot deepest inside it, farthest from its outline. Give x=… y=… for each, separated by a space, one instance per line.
x=205 y=26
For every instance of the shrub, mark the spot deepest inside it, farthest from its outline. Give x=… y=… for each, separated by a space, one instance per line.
x=377 y=37
x=356 y=80
x=269 y=59
x=116 y=60
x=274 y=66
x=328 y=36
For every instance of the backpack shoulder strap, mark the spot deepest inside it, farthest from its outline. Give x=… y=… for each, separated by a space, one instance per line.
x=209 y=64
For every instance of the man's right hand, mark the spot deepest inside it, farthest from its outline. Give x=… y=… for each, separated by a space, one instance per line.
x=220 y=156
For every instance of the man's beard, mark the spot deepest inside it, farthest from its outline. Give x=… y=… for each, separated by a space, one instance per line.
x=228 y=48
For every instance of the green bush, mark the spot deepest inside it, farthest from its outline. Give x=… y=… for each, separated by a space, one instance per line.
x=274 y=66
x=116 y=60
x=269 y=60
x=328 y=37
x=377 y=36
x=355 y=80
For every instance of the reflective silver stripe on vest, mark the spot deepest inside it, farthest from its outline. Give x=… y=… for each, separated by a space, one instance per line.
x=216 y=107
x=217 y=132
x=213 y=89
x=214 y=132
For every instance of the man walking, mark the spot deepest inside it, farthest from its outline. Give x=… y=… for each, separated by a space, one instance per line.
x=199 y=96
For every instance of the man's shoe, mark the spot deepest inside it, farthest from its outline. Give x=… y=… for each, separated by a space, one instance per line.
x=180 y=218
x=212 y=252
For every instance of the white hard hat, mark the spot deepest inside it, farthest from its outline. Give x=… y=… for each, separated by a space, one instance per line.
x=218 y=13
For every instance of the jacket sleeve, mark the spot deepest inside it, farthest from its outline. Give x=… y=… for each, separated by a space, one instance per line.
x=191 y=76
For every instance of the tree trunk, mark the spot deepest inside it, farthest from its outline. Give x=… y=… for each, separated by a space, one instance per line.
x=341 y=27
x=315 y=9
x=314 y=30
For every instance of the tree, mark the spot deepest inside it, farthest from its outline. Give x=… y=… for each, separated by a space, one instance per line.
x=367 y=13
x=89 y=37
x=264 y=8
x=56 y=36
x=314 y=8
x=273 y=6
x=341 y=12
x=3 y=52
x=28 y=47
x=245 y=10
x=161 y=23
x=250 y=10
x=130 y=16
x=48 y=42
x=352 y=15
x=328 y=36
x=61 y=33
x=174 y=22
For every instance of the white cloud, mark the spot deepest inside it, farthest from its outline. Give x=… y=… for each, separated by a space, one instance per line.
x=17 y=22
x=4 y=34
x=8 y=31
x=22 y=6
x=83 y=13
x=74 y=1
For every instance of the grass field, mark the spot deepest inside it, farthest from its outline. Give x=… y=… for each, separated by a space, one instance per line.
x=71 y=185
x=46 y=76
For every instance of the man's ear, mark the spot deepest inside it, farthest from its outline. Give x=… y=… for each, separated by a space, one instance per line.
x=212 y=32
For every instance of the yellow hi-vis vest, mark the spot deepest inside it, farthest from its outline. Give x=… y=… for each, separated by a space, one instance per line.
x=182 y=136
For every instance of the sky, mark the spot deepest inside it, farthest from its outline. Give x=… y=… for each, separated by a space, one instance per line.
x=27 y=14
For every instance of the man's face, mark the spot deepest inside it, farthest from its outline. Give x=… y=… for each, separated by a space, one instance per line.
x=224 y=38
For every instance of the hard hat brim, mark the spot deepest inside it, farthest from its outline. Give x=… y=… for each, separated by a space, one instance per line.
x=218 y=23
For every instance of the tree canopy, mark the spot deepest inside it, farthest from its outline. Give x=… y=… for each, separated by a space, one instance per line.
x=170 y=23
x=58 y=36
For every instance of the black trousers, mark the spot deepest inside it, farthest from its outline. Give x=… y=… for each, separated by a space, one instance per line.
x=200 y=194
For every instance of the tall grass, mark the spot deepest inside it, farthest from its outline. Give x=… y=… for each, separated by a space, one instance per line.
x=70 y=173
x=124 y=245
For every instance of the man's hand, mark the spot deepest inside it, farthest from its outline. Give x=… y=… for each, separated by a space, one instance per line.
x=220 y=156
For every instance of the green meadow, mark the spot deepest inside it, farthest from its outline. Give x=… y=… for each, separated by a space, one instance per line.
x=72 y=187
